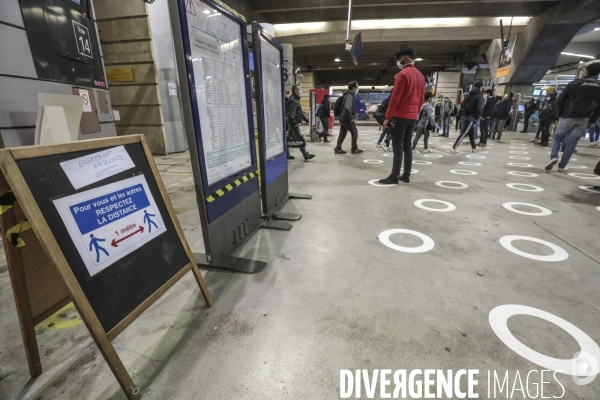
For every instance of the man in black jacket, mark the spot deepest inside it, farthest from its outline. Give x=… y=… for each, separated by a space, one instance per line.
x=547 y=116
x=472 y=108
x=323 y=114
x=294 y=117
x=529 y=110
x=347 y=120
x=578 y=107
x=486 y=116
x=502 y=115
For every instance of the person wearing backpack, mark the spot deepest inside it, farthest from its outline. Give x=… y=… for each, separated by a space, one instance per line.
x=345 y=108
x=294 y=117
x=323 y=113
x=472 y=109
x=380 y=117
x=578 y=107
x=402 y=113
x=447 y=108
x=502 y=115
x=425 y=123
x=548 y=114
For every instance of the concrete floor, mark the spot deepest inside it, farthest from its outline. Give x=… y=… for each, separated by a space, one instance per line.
x=334 y=297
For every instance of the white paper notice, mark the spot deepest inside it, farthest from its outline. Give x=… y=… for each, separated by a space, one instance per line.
x=87 y=103
x=273 y=98
x=172 y=88
x=218 y=64
x=94 y=167
x=111 y=221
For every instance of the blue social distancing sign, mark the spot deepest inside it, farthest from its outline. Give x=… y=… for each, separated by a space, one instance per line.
x=111 y=221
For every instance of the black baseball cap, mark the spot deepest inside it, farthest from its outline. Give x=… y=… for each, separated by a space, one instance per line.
x=407 y=51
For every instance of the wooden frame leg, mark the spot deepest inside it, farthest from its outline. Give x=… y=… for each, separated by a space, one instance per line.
x=202 y=284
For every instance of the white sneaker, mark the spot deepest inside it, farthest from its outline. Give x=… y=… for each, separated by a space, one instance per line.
x=427 y=151
x=454 y=151
x=382 y=146
x=562 y=169
x=473 y=150
x=552 y=164
x=594 y=144
x=416 y=151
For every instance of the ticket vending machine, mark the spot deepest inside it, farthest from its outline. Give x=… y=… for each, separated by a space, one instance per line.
x=316 y=97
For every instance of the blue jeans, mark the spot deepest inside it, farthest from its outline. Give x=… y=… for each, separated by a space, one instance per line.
x=446 y=125
x=401 y=143
x=595 y=132
x=384 y=133
x=568 y=131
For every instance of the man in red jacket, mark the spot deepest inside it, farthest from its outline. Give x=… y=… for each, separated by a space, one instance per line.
x=403 y=112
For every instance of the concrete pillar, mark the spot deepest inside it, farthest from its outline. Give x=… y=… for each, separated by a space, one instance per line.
x=126 y=42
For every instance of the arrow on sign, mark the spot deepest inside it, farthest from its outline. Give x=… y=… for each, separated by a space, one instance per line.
x=114 y=242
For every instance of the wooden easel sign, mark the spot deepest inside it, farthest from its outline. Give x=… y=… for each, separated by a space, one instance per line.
x=103 y=235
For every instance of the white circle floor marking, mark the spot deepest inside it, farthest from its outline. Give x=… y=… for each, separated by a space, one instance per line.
x=577 y=166
x=559 y=253
x=473 y=163
x=519 y=158
x=449 y=206
x=598 y=208
x=461 y=185
x=498 y=320
x=518 y=148
x=522 y=173
x=543 y=211
x=463 y=172
x=583 y=176
x=422 y=162
x=428 y=243
x=375 y=182
x=433 y=156
x=589 y=189
x=518 y=152
x=475 y=156
x=373 y=161
x=388 y=154
x=518 y=164
x=535 y=188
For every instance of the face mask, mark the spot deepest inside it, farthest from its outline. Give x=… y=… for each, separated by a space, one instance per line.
x=399 y=63
x=445 y=100
x=300 y=92
x=356 y=92
x=548 y=98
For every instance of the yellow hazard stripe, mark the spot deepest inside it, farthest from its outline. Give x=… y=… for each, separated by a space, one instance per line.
x=230 y=186
x=17 y=229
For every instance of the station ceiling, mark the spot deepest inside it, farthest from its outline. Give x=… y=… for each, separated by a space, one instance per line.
x=444 y=33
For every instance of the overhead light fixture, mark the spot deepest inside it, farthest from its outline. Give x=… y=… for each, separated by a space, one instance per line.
x=578 y=55
x=340 y=67
x=597 y=29
x=580 y=62
x=418 y=59
x=337 y=60
x=206 y=11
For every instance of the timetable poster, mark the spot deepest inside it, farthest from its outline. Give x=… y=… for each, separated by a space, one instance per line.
x=218 y=65
x=272 y=98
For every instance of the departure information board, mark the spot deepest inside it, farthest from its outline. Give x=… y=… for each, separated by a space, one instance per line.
x=218 y=65
x=272 y=97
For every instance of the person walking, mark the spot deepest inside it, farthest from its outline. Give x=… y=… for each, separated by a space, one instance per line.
x=438 y=113
x=548 y=114
x=347 y=120
x=402 y=113
x=447 y=108
x=323 y=113
x=502 y=115
x=380 y=117
x=472 y=109
x=425 y=123
x=486 y=116
x=529 y=110
x=579 y=108
x=294 y=117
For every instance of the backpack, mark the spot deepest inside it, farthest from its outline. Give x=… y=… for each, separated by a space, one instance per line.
x=379 y=114
x=585 y=101
x=548 y=112
x=338 y=107
x=454 y=111
x=469 y=105
x=320 y=110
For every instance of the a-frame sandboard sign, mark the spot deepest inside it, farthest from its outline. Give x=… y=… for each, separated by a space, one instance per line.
x=89 y=222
